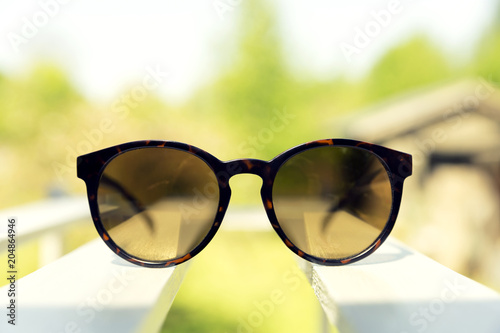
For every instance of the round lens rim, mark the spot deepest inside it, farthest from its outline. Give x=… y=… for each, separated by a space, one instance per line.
x=280 y=160
x=224 y=194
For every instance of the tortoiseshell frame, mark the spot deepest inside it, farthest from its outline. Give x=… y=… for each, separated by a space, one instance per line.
x=91 y=166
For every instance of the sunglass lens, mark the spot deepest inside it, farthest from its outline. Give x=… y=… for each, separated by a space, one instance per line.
x=157 y=204
x=332 y=202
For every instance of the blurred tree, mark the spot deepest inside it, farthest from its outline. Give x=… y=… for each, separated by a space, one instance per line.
x=51 y=89
x=488 y=52
x=257 y=85
x=5 y=84
x=258 y=81
x=35 y=102
x=410 y=65
x=39 y=115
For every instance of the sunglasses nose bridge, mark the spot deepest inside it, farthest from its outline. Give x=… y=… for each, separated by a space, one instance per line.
x=249 y=166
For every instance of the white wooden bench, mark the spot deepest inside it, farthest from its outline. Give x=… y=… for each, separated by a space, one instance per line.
x=88 y=290
x=396 y=289
x=45 y=220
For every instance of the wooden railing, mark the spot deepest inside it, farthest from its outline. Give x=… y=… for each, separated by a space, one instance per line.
x=87 y=290
x=396 y=289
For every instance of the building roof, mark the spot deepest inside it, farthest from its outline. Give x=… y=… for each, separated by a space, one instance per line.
x=464 y=116
x=414 y=111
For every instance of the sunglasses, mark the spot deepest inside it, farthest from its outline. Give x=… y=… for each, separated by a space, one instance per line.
x=159 y=203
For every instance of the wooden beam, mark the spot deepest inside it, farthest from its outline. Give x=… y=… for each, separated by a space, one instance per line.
x=93 y=290
x=399 y=290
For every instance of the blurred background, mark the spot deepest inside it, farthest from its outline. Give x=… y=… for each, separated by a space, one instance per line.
x=252 y=79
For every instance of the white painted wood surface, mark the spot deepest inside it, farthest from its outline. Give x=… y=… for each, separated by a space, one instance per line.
x=45 y=221
x=399 y=290
x=250 y=218
x=44 y=216
x=93 y=290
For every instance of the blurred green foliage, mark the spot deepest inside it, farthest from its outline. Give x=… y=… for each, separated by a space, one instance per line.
x=413 y=64
x=45 y=123
x=31 y=104
x=487 y=62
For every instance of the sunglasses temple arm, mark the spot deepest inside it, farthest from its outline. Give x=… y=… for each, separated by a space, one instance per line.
x=343 y=202
x=139 y=207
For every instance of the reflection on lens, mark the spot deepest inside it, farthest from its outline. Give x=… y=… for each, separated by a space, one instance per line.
x=157 y=203
x=332 y=202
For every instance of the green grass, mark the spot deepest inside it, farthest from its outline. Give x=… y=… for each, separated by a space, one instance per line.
x=244 y=282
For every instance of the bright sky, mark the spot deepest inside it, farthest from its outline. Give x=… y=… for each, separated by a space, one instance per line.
x=105 y=45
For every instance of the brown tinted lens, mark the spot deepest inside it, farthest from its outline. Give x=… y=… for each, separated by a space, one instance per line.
x=332 y=202
x=157 y=203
